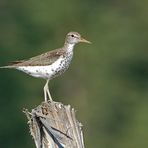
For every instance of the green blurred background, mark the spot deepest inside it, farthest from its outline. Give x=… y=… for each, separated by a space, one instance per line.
x=107 y=82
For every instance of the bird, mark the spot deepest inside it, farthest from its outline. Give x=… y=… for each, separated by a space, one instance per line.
x=50 y=64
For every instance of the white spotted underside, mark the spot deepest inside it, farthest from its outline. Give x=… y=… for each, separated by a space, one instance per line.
x=49 y=71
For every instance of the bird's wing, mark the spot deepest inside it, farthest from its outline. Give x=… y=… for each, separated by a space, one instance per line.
x=44 y=59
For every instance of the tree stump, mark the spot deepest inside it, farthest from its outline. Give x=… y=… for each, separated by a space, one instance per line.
x=54 y=125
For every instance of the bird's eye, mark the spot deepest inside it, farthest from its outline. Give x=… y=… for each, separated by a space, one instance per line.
x=72 y=35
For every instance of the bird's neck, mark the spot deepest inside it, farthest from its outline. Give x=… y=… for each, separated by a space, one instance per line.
x=69 y=47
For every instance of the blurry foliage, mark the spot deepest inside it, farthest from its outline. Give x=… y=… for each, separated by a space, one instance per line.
x=107 y=81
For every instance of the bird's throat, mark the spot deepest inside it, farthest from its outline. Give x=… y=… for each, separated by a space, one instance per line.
x=69 y=47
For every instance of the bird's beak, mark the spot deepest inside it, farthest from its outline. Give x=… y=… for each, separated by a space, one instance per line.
x=84 y=40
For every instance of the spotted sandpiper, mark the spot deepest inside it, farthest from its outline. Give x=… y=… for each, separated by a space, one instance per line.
x=50 y=64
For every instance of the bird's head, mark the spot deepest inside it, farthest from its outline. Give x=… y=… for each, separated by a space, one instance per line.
x=74 y=38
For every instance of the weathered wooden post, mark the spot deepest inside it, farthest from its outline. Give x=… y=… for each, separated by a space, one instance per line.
x=54 y=125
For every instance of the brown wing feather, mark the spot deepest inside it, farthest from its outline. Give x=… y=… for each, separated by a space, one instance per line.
x=16 y=62
x=44 y=59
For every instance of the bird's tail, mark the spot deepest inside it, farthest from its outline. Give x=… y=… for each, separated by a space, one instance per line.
x=10 y=66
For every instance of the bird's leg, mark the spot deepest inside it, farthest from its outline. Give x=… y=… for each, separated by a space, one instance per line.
x=47 y=92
